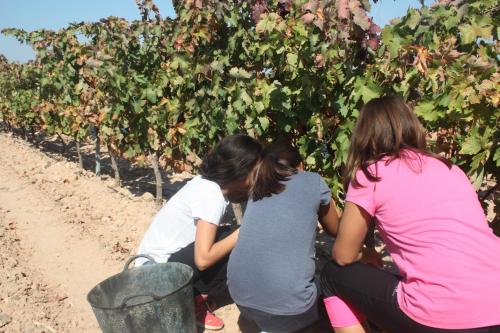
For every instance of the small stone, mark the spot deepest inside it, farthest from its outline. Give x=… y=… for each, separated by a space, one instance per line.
x=123 y=191
x=12 y=263
x=4 y=320
x=105 y=219
x=147 y=196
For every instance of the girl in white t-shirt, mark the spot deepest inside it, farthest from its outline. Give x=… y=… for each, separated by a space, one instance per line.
x=187 y=229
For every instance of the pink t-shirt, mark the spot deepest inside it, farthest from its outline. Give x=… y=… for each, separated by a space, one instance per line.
x=437 y=234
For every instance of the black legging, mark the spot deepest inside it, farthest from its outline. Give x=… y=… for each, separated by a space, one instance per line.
x=208 y=279
x=372 y=291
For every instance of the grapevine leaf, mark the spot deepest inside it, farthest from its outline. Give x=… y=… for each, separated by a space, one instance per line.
x=427 y=111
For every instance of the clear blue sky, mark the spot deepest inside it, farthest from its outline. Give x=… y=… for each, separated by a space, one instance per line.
x=55 y=14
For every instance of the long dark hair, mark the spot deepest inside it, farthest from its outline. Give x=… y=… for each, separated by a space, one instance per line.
x=386 y=127
x=278 y=162
x=232 y=159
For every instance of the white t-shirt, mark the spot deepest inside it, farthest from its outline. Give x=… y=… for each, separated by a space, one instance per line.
x=174 y=227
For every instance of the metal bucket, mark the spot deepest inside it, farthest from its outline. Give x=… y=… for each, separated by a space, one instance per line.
x=148 y=299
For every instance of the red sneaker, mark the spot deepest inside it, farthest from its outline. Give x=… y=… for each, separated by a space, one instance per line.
x=211 y=305
x=204 y=317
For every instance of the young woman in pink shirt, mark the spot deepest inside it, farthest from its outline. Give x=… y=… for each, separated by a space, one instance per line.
x=432 y=223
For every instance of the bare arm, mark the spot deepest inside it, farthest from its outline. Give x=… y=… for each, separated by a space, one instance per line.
x=329 y=218
x=351 y=234
x=206 y=251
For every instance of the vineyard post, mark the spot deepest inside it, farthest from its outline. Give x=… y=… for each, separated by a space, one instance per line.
x=33 y=138
x=114 y=165
x=238 y=212
x=95 y=134
x=7 y=125
x=63 y=148
x=79 y=153
x=159 y=185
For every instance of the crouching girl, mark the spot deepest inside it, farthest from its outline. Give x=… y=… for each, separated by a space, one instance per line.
x=186 y=229
x=271 y=270
x=430 y=218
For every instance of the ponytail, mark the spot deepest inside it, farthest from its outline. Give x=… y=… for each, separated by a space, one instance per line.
x=232 y=159
x=278 y=162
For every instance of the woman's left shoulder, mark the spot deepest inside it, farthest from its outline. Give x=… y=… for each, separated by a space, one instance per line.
x=310 y=174
x=307 y=175
x=314 y=179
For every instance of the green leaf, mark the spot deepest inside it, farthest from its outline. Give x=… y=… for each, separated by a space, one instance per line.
x=239 y=73
x=311 y=160
x=139 y=79
x=259 y=106
x=239 y=106
x=138 y=106
x=451 y=22
x=263 y=48
x=427 y=111
x=470 y=33
x=496 y=157
x=391 y=41
x=267 y=22
x=476 y=177
x=246 y=98
x=413 y=19
x=151 y=95
x=264 y=122
x=471 y=145
x=300 y=29
x=292 y=59
x=366 y=89
x=467 y=33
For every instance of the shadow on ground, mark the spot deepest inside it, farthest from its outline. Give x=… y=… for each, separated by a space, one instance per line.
x=139 y=180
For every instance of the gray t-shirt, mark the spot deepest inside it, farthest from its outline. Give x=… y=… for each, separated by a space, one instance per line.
x=271 y=269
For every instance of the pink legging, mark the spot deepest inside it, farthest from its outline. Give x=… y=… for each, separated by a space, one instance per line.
x=372 y=292
x=342 y=314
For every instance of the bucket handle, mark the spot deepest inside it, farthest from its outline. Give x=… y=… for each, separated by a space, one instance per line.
x=128 y=298
x=132 y=258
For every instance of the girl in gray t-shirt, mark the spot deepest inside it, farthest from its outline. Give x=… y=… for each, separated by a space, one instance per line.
x=271 y=269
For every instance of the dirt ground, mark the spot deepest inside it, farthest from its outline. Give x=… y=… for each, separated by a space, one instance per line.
x=63 y=230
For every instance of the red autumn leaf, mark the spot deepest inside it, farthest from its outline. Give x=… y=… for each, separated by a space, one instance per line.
x=178 y=42
x=307 y=18
x=373 y=43
x=374 y=29
x=319 y=61
x=343 y=9
x=259 y=8
x=310 y=6
x=320 y=18
x=360 y=17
